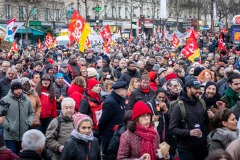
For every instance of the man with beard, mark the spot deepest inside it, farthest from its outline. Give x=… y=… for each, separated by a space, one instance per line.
x=150 y=63
x=231 y=94
x=106 y=64
x=189 y=129
x=73 y=66
x=60 y=128
x=130 y=73
x=143 y=93
x=172 y=90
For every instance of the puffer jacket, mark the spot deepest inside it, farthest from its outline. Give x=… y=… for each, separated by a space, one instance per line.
x=19 y=116
x=5 y=85
x=53 y=139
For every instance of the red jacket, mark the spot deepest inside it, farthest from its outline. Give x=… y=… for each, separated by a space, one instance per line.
x=153 y=85
x=7 y=154
x=49 y=107
x=76 y=93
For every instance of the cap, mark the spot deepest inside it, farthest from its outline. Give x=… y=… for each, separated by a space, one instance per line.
x=92 y=72
x=119 y=84
x=161 y=70
x=197 y=59
x=156 y=67
x=193 y=83
x=197 y=71
x=64 y=65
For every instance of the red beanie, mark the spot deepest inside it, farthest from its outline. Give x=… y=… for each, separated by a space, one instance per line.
x=91 y=83
x=152 y=75
x=139 y=109
x=171 y=76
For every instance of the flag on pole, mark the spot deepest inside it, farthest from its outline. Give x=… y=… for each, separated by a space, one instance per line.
x=14 y=47
x=163 y=9
x=76 y=27
x=105 y=33
x=165 y=32
x=191 y=49
x=87 y=44
x=86 y=31
x=12 y=27
x=221 y=45
x=130 y=37
x=48 y=41
x=39 y=45
x=175 y=41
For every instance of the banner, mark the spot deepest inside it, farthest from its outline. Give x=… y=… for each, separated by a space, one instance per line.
x=163 y=9
x=175 y=41
x=76 y=27
x=191 y=49
x=12 y=27
x=86 y=31
x=48 y=41
x=14 y=47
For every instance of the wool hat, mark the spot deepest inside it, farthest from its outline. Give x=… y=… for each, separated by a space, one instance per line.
x=78 y=118
x=83 y=67
x=152 y=75
x=59 y=75
x=16 y=84
x=171 y=76
x=92 y=72
x=209 y=83
x=156 y=67
x=161 y=70
x=139 y=109
x=24 y=80
x=197 y=71
x=91 y=83
x=48 y=67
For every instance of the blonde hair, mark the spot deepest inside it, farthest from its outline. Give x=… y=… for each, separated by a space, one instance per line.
x=107 y=83
x=201 y=76
x=131 y=84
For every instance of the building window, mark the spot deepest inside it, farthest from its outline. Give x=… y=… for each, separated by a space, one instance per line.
x=126 y=13
x=35 y=14
x=57 y=15
x=158 y=12
x=47 y=14
x=113 y=11
x=119 y=12
x=21 y=13
x=8 y=11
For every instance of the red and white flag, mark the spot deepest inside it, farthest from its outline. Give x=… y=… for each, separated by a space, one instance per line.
x=221 y=45
x=48 y=41
x=39 y=44
x=175 y=41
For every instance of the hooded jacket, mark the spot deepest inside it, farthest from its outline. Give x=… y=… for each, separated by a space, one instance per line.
x=127 y=76
x=195 y=114
x=19 y=116
x=76 y=93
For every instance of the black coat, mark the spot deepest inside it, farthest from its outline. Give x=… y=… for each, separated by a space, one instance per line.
x=75 y=149
x=5 y=86
x=127 y=76
x=29 y=155
x=138 y=95
x=112 y=113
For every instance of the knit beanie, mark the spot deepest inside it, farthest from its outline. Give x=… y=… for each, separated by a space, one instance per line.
x=58 y=75
x=48 y=67
x=197 y=71
x=171 y=76
x=209 y=83
x=92 y=72
x=24 y=80
x=78 y=118
x=91 y=83
x=15 y=84
x=139 y=109
x=152 y=75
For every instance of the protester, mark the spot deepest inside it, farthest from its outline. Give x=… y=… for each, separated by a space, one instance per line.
x=219 y=154
x=6 y=153
x=5 y=66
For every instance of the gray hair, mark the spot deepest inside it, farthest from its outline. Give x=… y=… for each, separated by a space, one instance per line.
x=68 y=99
x=7 y=62
x=33 y=140
x=139 y=62
x=12 y=69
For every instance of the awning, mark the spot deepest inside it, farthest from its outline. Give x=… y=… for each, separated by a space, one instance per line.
x=128 y=26
x=31 y=30
x=148 y=25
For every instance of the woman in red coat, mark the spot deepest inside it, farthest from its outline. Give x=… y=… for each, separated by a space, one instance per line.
x=76 y=90
x=46 y=94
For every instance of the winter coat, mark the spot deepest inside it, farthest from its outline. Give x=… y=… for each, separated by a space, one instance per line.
x=75 y=149
x=130 y=145
x=7 y=154
x=19 y=116
x=29 y=155
x=49 y=107
x=195 y=114
x=36 y=104
x=233 y=149
x=112 y=114
x=54 y=139
x=236 y=110
x=67 y=76
x=60 y=90
x=127 y=76
x=5 y=85
x=138 y=95
x=76 y=93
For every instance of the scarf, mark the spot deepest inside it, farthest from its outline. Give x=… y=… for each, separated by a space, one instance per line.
x=31 y=91
x=81 y=136
x=145 y=90
x=148 y=136
x=228 y=135
x=94 y=95
x=132 y=72
x=232 y=95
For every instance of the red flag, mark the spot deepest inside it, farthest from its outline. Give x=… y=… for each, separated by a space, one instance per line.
x=191 y=50
x=87 y=43
x=105 y=33
x=175 y=41
x=48 y=41
x=106 y=46
x=39 y=44
x=75 y=27
x=221 y=45
x=14 y=47
x=130 y=37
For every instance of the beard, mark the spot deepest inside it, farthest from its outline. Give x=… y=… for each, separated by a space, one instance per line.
x=196 y=95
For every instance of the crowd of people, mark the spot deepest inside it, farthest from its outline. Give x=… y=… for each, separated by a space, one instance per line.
x=144 y=100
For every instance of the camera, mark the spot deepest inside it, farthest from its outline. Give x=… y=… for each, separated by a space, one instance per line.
x=5 y=105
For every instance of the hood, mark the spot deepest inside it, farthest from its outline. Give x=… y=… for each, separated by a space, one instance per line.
x=75 y=88
x=183 y=96
x=22 y=96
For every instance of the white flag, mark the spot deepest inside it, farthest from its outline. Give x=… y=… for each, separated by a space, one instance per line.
x=163 y=9
x=214 y=11
x=12 y=27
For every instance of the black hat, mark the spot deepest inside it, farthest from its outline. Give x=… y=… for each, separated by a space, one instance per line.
x=209 y=84
x=16 y=84
x=193 y=83
x=46 y=77
x=48 y=67
x=119 y=84
x=197 y=71
x=197 y=59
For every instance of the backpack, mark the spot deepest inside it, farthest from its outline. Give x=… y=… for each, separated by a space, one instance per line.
x=182 y=108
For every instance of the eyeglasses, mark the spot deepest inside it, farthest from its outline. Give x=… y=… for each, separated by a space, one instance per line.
x=148 y=116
